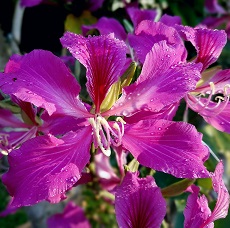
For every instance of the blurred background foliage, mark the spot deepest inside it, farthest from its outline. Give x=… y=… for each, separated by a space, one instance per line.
x=42 y=26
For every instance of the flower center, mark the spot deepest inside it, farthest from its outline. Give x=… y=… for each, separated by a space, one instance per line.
x=214 y=102
x=106 y=134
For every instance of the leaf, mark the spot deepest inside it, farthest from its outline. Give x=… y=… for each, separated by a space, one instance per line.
x=73 y=24
x=177 y=188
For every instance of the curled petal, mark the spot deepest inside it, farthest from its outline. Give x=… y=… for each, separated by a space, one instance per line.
x=208 y=43
x=223 y=199
x=103 y=57
x=196 y=210
x=50 y=167
x=139 y=203
x=171 y=147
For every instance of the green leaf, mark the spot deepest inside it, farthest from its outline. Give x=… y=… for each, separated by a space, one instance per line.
x=116 y=88
x=177 y=188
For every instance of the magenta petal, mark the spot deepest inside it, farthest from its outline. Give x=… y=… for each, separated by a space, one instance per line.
x=223 y=199
x=221 y=121
x=103 y=57
x=60 y=125
x=8 y=119
x=50 y=167
x=148 y=33
x=196 y=210
x=95 y=4
x=107 y=177
x=30 y=3
x=171 y=147
x=208 y=43
x=139 y=203
x=44 y=80
x=164 y=80
x=170 y=20
x=72 y=216
x=105 y=26
x=137 y=15
x=213 y=7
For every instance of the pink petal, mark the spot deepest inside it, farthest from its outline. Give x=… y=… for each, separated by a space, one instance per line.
x=216 y=114
x=171 y=147
x=170 y=20
x=163 y=81
x=108 y=179
x=196 y=210
x=137 y=15
x=221 y=121
x=166 y=113
x=208 y=43
x=148 y=33
x=95 y=4
x=50 y=167
x=223 y=199
x=30 y=3
x=213 y=7
x=139 y=203
x=106 y=26
x=44 y=80
x=60 y=125
x=103 y=57
x=72 y=216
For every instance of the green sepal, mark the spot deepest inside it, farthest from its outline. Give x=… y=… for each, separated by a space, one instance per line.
x=116 y=88
x=177 y=188
x=12 y=108
x=132 y=166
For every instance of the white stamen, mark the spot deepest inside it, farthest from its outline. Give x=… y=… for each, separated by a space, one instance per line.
x=104 y=135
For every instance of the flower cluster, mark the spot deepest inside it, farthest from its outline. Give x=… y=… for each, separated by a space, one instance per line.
x=62 y=131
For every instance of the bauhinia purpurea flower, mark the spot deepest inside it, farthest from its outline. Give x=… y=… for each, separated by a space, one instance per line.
x=52 y=164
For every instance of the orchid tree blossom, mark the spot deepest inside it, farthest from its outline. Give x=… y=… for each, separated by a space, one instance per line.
x=139 y=202
x=52 y=164
x=197 y=213
x=211 y=96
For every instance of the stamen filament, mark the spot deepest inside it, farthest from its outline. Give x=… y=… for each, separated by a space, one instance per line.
x=105 y=135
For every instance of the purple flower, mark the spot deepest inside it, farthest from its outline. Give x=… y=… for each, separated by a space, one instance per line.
x=197 y=213
x=211 y=96
x=139 y=202
x=52 y=165
x=72 y=216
